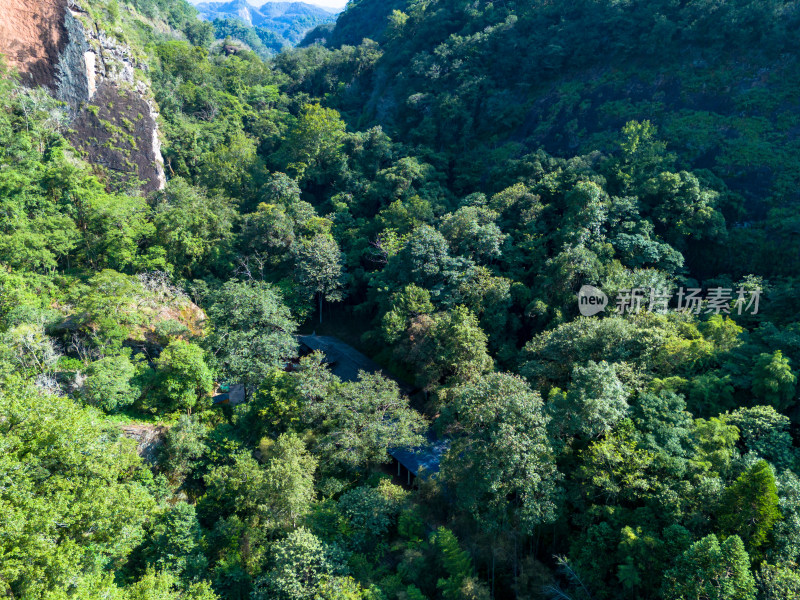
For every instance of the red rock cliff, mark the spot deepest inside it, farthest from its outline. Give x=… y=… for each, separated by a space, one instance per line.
x=56 y=45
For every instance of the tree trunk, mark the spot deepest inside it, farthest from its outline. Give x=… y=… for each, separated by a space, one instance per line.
x=516 y=573
x=492 y=590
x=320 y=308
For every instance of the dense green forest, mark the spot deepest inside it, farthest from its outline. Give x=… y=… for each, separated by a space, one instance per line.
x=432 y=181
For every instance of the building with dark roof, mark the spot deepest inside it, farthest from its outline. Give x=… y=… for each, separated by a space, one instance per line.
x=345 y=361
x=230 y=394
x=422 y=462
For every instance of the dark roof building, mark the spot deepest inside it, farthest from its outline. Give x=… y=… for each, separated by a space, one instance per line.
x=423 y=461
x=345 y=361
x=231 y=394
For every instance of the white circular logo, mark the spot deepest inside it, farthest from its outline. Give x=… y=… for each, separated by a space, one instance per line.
x=591 y=301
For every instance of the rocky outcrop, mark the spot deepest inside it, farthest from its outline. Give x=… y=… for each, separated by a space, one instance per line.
x=57 y=45
x=149 y=439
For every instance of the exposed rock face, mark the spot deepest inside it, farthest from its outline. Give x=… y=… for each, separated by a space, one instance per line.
x=55 y=44
x=33 y=36
x=149 y=439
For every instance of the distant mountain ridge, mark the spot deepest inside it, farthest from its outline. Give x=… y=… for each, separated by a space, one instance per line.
x=280 y=17
x=258 y=16
x=266 y=28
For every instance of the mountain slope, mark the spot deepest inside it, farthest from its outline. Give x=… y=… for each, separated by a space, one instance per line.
x=562 y=76
x=487 y=83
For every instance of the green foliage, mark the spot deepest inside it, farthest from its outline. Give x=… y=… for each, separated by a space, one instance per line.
x=410 y=525
x=115 y=227
x=749 y=507
x=184 y=445
x=290 y=477
x=775 y=582
x=765 y=432
x=182 y=380
x=448 y=347
x=500 y=450
x=406 y=305
x=313 y=146
x=253 y=330
x=357 y=421
x=715 y=442
x=773 y=380
x=711 y=570
x=174 y=543
x=594 y=404
x=26 y=350
x=56 y=212
x=451 y=174
x=109 y=383
x=107 y=305
x=371 y=511
x=193 y=227
x=230 y=29
x=319 y=267
x=723 y=331
x=642 y=155
x=786 y=533
x=472 y=232
x=460 y=581
x=274 y=407
x=661 y=344
x=72 y=503
x=710 y=393
x=274 y=496
x=300 y=565
x=151 y=586
x=618 y=468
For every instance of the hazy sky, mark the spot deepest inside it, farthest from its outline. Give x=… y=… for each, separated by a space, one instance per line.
x=335 y=4
x=338 y=4
x=328 y=3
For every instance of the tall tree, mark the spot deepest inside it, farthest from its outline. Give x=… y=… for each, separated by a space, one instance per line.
x=766 y=432
x=357 y=421
x=711 y=571
x=773 y=380
x=71 y=500
x=749 y=507
x=449 y=348
x=253 y=331
x=109 y=383
x=500 y=464
x=319 y=268
x=777 y=582
x=193 y=227
x=184 y=445
x=461 y=582
x=472 y=232
x=270 y=497
x=595 y=402
x=299 y=566
x=313 y=147
x=289 y=477
x=174 y=542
